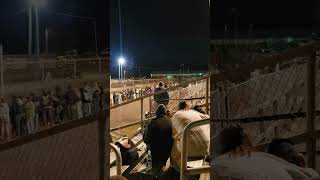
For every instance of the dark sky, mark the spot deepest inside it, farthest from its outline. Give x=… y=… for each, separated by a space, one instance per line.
x=276 y=15
x=161 y=35
x=64 y=32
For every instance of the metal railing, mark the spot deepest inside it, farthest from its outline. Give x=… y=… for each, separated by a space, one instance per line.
x=185 y=171
x=117 y=152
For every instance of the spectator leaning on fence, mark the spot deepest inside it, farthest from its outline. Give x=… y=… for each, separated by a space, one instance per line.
x=5 y=120
x=162 y=95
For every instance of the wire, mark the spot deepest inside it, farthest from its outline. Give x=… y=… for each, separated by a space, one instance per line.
x=70 y=15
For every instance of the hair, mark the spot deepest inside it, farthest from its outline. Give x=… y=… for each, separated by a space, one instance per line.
x=161 y=110
x=284 y=148
x=182 y=105
x=233 y=140
x=161 y=84
x=118 y=178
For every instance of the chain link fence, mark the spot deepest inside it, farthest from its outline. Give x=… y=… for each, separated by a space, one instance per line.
x=46 y=73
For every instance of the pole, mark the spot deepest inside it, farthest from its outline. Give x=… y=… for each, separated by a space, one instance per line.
x=95 y=36
x=120 y=26
x=119 y=71
x=1 y=59
x=141 y=113
x=37 y=33
x=47 y=41
x=311 y=140
x=30 y=31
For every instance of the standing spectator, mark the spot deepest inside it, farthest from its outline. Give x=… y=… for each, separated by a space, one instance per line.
x=111 y=99
x=29 y=110
x=5 y=120
x=17 y=111
x=71 y=104
x=96 y=100
x=79 y=104
x=162 y=95
x=158 y=137
x=36 y=101
x=86 y=101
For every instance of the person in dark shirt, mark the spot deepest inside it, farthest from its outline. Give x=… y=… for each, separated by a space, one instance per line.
x=158 y=137
x=162 y=95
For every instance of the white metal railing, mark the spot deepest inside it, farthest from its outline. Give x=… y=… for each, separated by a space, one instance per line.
x=116 y=150
x=184 y=171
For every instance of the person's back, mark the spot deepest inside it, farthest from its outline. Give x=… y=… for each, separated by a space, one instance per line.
x=158 y=137
x=256 y=166
x=199 y=137
x=238 y=159
x=162 y=95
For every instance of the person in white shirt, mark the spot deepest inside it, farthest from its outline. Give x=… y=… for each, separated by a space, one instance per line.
x=5 y=120
x=236 y=158
x=198 y=141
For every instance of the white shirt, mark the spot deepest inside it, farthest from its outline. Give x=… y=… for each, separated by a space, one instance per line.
x=258 y=166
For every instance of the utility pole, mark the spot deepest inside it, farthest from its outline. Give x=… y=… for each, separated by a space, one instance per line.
x=30 y=31
x=47 y=42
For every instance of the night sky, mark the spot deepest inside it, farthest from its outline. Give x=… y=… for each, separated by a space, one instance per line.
x=65 y=33
x=161 y=35
x=282 y=16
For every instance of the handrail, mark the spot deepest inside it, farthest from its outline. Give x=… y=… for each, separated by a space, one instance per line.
x=205 y=169
x=152 y=94
x=118 y=158
x=184 y=151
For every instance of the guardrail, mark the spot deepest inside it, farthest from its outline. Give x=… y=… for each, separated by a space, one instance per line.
x=185 y=171
x=116 y=150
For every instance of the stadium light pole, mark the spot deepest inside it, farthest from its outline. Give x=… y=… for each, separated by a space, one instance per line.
x=36 y=4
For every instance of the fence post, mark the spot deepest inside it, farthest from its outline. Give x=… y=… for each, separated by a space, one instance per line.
x=311 y=141
x=75 y=68
x=142 y=123
x=1 y=59
x=207 y=95
x=100 y=65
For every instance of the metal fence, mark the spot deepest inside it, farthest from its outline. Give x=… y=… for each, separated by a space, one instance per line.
x=128 y=117
x=31 y=75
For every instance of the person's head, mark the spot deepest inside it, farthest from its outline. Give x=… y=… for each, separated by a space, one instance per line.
x=284 y=149
x=161 y=84
x=2 y=100
x=28 y=98
x=199 y=109
x=161 y=110
x=233 y=140
x=183 y=105
x=118 y=178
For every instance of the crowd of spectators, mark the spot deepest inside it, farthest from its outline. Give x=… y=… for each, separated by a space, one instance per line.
x=20 y=116
x=118 y=97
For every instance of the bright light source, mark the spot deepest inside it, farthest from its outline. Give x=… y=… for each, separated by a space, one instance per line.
x=121 y=60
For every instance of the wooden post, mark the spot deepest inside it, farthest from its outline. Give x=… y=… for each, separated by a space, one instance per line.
x=142 y=123
x=207 y=94
x=310 y=103
x=212 y=125
x=104 y=132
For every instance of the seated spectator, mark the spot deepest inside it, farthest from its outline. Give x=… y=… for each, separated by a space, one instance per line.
x=158 y=137
x=237 y=158
x=129 y=151
x=163 y=96
x=284 y=149
x=198 y=145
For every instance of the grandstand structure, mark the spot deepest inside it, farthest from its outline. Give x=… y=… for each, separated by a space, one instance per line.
x=275 y=97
